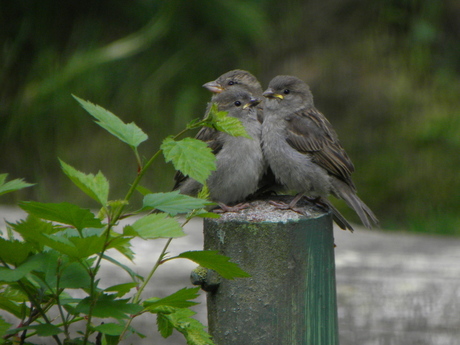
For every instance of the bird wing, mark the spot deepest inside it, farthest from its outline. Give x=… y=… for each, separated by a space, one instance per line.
x=210 y=136
x=309 y=132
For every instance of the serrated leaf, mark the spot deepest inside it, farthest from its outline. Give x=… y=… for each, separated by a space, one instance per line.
x=212 y=260
x=108 y=306
x=46 y=330
x=165 y=326
x=11 y=275
x=64 y=212
x=191 y=156
x=88 y=246
x=12 y=185
x=181 y=320
x=128 y=270
x=4 y=326
x=10 y=306
x=143 y=190
x=95 y=186
x=173 y=202
x=75 y=247
x=228 y=124
x=122 y=244
x=14 y=252
x=72 y=275
x=156 y=226
x=128 y=133
x=205 y=214
x=121 y=289
x=110 y=328
x=179 y=299
x=32 y=228
x=110 y=339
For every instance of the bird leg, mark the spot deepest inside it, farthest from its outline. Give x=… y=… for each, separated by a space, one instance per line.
x=318 y=201
x=225 y=208
x=290 y=206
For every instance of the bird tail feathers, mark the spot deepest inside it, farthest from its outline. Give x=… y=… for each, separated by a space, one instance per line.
x=366 y=215
x=337 y=216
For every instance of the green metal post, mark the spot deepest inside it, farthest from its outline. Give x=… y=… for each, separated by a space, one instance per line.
x=290 y=298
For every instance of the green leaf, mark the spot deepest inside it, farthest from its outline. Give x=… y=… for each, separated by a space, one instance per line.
x=46 y=329
x=179 y=299
x=122 y=244
x=63 y=213
x=156 y=226
x=87 y=246
x=112 y=331
x=12 y=185
x=182 y=321
x=32 y=229
x=111 y=339
x=95 y=186
x=165 y=326
x=213 y=260
x=10 y=306
x=129 y=133
x=227 y=124
x=191 y=156
x=11 y=275
x=110 y=328
x=72 y=275
x=173 y=202
x=133 y=274
x=204 y=214
x=108 y=306
x=122 y=289
x=4 y=326
x=14 y=252
x=143 y=190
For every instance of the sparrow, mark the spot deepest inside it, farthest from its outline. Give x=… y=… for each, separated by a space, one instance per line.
x=237 y=78
x=304 y=152
x=239 y=160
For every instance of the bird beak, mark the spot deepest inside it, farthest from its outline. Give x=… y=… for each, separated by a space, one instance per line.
x=213 y=87
x=252 y=102
x=270 y=93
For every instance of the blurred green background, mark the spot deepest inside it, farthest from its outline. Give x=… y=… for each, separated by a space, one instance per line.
x=385 y=73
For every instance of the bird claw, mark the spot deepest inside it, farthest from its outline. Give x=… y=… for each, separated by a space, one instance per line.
x=284 y=206
x=237 y=208
x=316 y=201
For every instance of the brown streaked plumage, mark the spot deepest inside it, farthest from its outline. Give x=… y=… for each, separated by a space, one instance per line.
x=304 y=151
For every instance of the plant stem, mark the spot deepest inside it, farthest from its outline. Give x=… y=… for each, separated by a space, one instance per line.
x=115 y=219
x=137 y=296
x=92 y=273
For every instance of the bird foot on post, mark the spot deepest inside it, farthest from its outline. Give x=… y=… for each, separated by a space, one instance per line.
x=291 y=206
x=284 y=206
x=317 y=201
x=225 y=208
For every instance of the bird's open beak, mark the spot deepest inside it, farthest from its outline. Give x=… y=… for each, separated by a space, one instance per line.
x=213 y=87
x=253 y=102
x=270 y=93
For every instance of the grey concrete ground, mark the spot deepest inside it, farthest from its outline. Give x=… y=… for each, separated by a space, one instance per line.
x=393 y=288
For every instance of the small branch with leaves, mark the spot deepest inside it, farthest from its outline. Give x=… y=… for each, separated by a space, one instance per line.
x=61 y=246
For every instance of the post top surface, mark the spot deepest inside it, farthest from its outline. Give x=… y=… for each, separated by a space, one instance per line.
x=263 y=211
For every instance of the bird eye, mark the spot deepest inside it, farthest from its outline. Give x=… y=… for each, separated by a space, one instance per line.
x=237 y=103
x=231 y=82
x=286 y=91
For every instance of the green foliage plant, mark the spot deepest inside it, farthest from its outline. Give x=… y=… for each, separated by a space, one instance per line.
x=59 y=247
